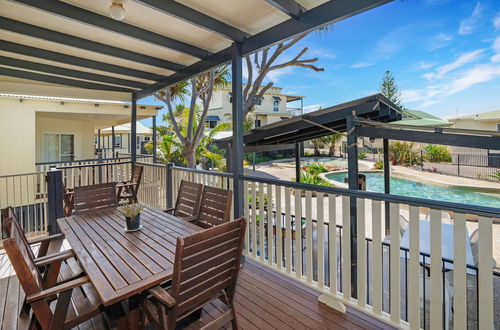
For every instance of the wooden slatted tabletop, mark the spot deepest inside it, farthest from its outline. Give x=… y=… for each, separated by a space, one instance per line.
x=121 y=264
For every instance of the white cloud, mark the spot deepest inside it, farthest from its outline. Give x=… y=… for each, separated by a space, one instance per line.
x=496 y=48
x=496 y=22
x=322 y=53
x=462 y=60
x=469 y=24
x=443 y=37
x=312 y=107
x=427 y=104
x=424 y=65
x=478 y=74
x=362 y=65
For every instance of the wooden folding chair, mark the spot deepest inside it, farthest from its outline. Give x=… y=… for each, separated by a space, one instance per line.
x=127 y=190
x=206 y=268
x=40 y=292
x=95 y=197
x=188 y=201
x=215 y=207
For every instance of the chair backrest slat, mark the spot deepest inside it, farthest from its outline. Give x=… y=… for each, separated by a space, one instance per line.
x=95 y=197
x=215 y=206
x=11 y=222
x=207 y=263
x=188 y=199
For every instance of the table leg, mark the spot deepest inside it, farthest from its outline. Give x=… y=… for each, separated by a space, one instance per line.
x=117 y=313
x=137 y=317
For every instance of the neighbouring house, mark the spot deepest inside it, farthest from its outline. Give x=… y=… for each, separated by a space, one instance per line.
x=485 y=121
x=122 y=139
x=271 y=108
x=38 y=129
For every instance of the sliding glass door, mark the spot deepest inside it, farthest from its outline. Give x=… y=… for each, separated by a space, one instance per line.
x=58 y=147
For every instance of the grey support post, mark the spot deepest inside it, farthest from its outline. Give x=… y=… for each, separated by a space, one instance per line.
x=133 y=128
x=352 y=164
x=237 y=143
x=297 y=162
x=113 y=141
x=55 y=196
x=387 y=184
x=154 y=139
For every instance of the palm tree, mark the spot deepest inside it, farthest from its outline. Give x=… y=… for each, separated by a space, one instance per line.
x=317 y=144
x=331 y=141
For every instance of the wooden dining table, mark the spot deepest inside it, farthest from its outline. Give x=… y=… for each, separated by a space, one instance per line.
x=121 y=265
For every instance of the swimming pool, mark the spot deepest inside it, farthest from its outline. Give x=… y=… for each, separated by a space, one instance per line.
x=410 y=188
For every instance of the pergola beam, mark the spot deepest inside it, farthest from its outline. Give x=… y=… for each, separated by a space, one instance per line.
x=289 y=7
x=88 y=17
x=197 y=18
x=4 y=60
x=459 y=140
x=60 y=80
x=69 y=40
x=74 y=60
x=324 y=14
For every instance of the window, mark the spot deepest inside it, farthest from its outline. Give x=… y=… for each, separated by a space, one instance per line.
x=118 y=141
x=230 y=97
x=147 y=138
x=257 y=123
x=498 y=127
x=58 y=147
x=138 y=144
x=276 y=103
x=213 y=123
x=259 y=101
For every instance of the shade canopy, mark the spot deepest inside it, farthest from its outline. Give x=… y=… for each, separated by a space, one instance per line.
x=284 y=134
x=74 y=48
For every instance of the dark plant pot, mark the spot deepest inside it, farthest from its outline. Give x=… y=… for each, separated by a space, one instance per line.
x=133 y=223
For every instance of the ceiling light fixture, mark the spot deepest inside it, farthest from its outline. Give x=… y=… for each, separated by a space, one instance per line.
x=117 y=11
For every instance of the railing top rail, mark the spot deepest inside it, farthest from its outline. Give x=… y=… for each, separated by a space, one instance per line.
x=455 y=207
x=21 y=174
x=91 y=165
x=80 y=161
x=223 y=174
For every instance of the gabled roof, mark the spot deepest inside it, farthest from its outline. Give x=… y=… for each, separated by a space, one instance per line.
x=320 y=123
x=490 y=115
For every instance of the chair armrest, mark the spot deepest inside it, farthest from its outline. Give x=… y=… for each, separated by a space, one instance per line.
x=126 y=184
x=46 y=239
x=191 y=218
x=47 y=260
x=169 y=209
x=159 y=293
x=57 y=289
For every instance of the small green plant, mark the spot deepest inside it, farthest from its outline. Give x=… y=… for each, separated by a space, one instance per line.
x=257 y=199
x=130 y=210
x=314 y=179
x=379 y=165
x=437 y=154
x=308 y=154
x=402 y=153
x=496 y=176
x=362 y=155
x=315 y=169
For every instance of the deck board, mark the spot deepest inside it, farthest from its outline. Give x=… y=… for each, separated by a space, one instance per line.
x=264 y=300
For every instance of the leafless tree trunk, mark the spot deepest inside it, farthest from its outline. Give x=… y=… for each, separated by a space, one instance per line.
x=264 y=62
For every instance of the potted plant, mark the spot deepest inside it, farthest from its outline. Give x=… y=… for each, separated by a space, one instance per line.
x=132 y=214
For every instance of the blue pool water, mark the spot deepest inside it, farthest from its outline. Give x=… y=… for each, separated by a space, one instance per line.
x=410 y=188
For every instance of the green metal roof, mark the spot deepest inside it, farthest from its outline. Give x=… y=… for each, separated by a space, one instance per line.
x=421 y=118
x=490 y=115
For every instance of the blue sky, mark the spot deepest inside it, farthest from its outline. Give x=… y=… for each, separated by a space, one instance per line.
x=445 y=55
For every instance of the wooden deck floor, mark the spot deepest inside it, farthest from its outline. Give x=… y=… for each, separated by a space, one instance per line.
x=264 y=300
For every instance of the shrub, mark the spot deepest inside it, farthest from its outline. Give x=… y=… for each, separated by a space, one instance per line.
x=308 y=154
x=402 y=153
x=315 y=169
x=362 y=155
x=379 y=165
x=309 y=178
x=437 y=153
x=496 y=176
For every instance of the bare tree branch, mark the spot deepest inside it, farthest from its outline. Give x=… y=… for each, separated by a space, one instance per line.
x=165 y=97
